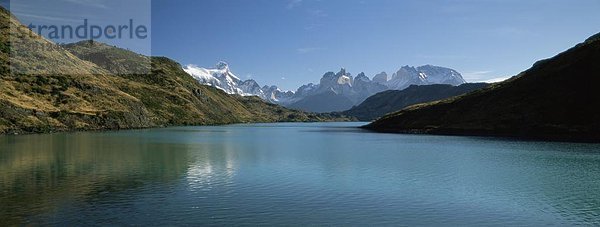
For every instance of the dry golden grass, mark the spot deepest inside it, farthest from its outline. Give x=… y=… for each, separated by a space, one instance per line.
x=55 y=90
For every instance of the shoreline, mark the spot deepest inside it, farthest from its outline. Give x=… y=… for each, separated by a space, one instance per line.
x=587 y=139
x=22 y=133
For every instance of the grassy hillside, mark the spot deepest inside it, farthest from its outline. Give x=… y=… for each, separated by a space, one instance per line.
x=390 y=101
x=115 y=60
x=555 y=99
x=36 y=95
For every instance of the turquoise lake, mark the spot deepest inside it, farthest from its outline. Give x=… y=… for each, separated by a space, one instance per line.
x=294 y=174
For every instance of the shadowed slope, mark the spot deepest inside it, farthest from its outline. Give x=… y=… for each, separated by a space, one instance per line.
x=555 y=99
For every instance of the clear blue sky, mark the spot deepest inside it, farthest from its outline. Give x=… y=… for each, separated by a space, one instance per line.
x=293 y=42
x=299 y=40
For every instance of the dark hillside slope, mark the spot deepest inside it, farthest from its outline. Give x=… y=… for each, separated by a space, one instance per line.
x=555 y=99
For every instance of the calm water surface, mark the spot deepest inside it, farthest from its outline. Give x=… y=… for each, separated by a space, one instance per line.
x=294 y=174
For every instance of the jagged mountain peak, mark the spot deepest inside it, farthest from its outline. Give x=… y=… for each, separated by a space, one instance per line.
x=221 y=77
x=222 y=65
x=381 y=78
x=341 y=83
x=362 y=77
x=250 y=81
x=329 y=75
x=408 y=68
x=424 y=75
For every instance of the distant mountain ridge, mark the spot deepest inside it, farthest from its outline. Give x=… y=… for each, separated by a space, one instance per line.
x=335 y=91
x=390 y=101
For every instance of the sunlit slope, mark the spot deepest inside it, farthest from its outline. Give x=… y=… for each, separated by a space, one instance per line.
x=55 y=90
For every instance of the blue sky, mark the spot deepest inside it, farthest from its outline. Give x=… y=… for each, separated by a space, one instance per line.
x=293 y=42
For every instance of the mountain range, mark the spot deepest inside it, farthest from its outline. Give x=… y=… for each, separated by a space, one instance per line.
x=335 y=91
x=556 y=99
x=89 y=86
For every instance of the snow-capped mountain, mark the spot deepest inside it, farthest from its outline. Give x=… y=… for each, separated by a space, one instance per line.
x=221 y=77
x=349 y=91
x=340 y=83
x=424 y=75
x=275 y=95
x=250 y=87
x=340 y=86
x=306 y=90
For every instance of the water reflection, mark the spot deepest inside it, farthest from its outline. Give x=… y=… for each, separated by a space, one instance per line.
x=42 y=173
x=214 y=165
